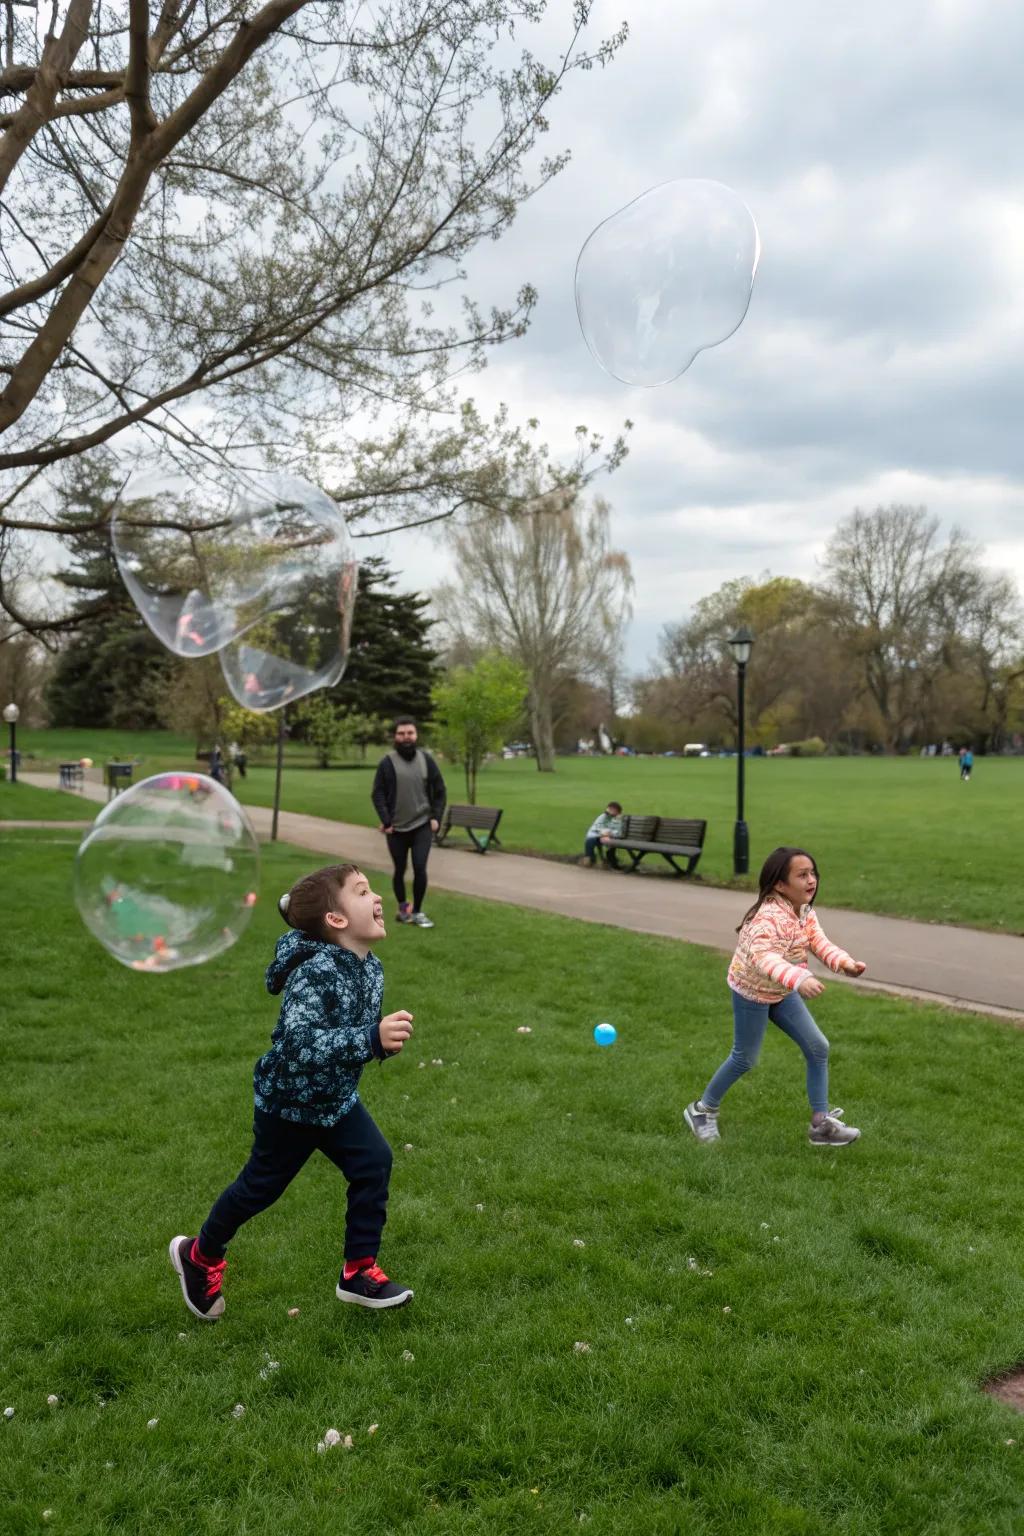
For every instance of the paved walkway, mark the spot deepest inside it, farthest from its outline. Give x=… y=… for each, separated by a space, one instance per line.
x=959 y=966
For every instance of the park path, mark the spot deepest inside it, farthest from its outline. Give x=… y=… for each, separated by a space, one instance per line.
x=959 y=966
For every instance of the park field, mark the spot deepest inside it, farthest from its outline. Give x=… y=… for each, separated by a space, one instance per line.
x=613 y=1326
x=900 y=836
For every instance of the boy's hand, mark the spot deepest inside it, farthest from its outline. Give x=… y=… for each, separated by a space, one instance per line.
x=855 y=968
x=811 y=987
x=395 y=1030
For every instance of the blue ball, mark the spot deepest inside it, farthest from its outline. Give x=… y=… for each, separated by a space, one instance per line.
x=604 y=1034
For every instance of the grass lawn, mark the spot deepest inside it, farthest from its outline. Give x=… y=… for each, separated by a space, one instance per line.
x=817 y=1368
x=23 y=802
x=892 y=835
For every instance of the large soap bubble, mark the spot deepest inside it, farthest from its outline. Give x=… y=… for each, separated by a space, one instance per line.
x=665 y=277
x=267 y=557
x=167 y=874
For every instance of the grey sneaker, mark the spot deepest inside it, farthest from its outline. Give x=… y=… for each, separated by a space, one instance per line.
x=702 y=1122
x=404 y=913
x=831 y=1132
x=421 y=920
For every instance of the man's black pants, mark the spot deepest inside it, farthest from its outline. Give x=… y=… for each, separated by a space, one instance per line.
x=400 y=845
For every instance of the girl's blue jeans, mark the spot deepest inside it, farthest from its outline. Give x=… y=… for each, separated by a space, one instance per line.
x=750 y=1023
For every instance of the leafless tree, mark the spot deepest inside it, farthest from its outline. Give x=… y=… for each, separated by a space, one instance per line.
x=221 y=221
x=543 y=586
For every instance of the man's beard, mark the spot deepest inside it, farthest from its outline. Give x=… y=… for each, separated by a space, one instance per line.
x=406 y=749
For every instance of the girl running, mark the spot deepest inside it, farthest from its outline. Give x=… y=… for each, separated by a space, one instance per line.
x=769 y=979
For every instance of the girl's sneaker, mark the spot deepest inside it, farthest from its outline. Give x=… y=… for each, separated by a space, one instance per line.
x=404 y=913
x=421 y=920
x=200 y=1282
x=703 y=1122
x=370 y=1287
x=831 y=1132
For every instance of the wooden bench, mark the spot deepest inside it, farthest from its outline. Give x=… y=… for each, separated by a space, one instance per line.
x=475 y=818
x=117 y=776
x=72 y=776
x=671 y=836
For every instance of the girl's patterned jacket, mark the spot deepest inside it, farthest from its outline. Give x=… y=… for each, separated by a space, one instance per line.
x=771 y=955
x=327 y=1030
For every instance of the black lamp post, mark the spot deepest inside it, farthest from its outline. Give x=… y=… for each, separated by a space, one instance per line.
x=741 y=645
x=11 y=713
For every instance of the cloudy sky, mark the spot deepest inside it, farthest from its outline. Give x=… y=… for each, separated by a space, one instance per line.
x=881 y=150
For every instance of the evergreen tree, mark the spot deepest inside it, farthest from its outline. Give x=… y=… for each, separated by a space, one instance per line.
x=392 y=667
x=112 y=671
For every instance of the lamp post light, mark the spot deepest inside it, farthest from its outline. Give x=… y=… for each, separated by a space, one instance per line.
x=741 y=645
x=11 y=713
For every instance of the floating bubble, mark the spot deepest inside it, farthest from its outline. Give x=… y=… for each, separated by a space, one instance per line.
x=257 y=568
x=168 y=872
x=665 y=277
x=605 y=1034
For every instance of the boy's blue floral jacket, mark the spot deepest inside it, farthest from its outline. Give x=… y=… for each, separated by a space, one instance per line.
x=328 y=1028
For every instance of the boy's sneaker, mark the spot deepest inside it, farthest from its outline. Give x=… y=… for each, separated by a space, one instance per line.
x=703 y=1122
x=200 y=1282
x=421 y=920
x=404 y=913
x=831 y=1132
x=370 y=1287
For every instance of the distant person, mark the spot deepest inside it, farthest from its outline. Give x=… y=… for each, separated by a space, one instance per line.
x=217 y=766
x=238 y=758
x=769 y=979
x=607 y=825
x=409 y=797
x=966 y=764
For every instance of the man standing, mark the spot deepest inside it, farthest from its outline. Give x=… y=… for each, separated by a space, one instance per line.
x=409 y=797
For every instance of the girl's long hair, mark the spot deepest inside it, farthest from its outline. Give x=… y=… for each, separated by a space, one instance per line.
x=773 y=871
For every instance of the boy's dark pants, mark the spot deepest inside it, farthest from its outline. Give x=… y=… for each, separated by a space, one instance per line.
x=280 y=1148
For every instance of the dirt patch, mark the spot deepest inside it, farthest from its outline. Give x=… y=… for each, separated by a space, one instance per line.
x=1009 y=1388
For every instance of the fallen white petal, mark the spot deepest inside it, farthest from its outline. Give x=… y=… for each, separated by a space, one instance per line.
x=238 y=1411
x=764 y=1226
x=407 y=1147
x=293 y=1311
x=479 y=1207
x=407 y=1354
x=8 y=1413
x=53 y=1399
x=581 y=1348
x=332 y=1437
x=373 y=1429
x=347 y=1442
x=629 y=1320
x=182 y=1335
x=578 y=1242
x=727 y=1309
x=152 y=1424
x=320 y=1447
x=524 y=1029
x=47 y=1514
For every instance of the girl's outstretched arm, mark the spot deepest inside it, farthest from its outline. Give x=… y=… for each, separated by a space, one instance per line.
x=828 y=953
x=764 y=947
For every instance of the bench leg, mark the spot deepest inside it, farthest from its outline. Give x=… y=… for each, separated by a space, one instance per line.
x=477 y=844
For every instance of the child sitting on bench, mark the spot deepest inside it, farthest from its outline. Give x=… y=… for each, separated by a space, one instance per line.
x=608 y=824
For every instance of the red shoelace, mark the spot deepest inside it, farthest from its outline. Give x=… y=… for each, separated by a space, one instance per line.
x=214 y=1270
x=372 y=1272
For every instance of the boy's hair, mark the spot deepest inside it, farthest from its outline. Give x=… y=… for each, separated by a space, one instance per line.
x=306 y=904
x=613 y=805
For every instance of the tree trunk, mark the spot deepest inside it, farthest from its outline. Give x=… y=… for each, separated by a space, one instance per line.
x=543 y=732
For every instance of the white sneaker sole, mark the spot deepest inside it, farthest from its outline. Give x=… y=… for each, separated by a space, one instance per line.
x=204 y=1317
x=377 y=1303
x=848 y=1143
x=704 y=1140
